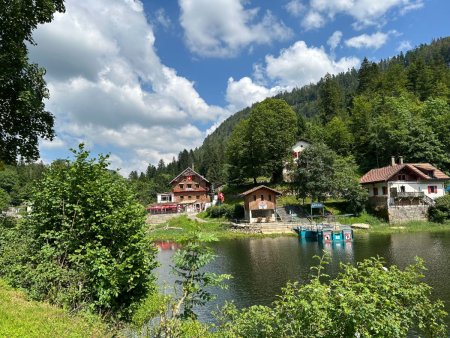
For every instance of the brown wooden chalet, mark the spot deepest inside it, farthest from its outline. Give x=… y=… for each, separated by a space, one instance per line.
x=260 y=204
x=404 y=184
x=191 y=191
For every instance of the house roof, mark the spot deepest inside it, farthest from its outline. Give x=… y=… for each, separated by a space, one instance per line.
x=385 y=174
x=258 y=188
x=188 y=171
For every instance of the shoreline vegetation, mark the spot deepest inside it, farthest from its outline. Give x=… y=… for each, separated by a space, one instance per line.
x=178 y=227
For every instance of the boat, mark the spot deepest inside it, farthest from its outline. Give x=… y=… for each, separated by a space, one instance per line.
x=325 y=232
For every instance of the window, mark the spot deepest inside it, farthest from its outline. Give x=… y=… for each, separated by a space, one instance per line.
x=189 y=197
x=384 y=190
x=197 y=197
x=402 y=188
x=189 y=186
x=197 y=185
x=262 y=197
x=270 y=197
x=254 y=197
x=181 y=186
x=181 y=197
x=375 y=191
x=402 y=177
x=432 y=189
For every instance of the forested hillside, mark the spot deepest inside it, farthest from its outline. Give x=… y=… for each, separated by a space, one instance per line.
x=398 y=106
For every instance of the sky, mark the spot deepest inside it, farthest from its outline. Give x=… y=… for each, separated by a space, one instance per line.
x=143 y=80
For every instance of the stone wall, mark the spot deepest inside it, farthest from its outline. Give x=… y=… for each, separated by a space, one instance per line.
x=402 y=214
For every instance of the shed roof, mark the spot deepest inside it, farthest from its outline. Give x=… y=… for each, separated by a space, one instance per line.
x=386 y=173
x=258 y=188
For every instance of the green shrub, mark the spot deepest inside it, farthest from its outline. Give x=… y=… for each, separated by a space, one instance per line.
x=440 y=212
x=226 y=210
x=84 y=244
x=366 y=300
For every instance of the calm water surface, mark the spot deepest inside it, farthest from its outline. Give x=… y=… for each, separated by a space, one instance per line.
x=261 y=267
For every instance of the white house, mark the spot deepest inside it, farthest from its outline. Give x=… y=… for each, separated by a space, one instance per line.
x=412 y=185
x=298 y=148
x=290 y=166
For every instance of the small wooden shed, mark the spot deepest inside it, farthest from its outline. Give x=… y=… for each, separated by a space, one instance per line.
x=260 y=204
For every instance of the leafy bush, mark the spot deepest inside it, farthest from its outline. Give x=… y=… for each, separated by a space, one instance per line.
x=226 y=210
x=84 y=244
x=440 y=212
x=369 y=300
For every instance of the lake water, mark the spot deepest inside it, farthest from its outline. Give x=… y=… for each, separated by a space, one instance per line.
x=262 y=266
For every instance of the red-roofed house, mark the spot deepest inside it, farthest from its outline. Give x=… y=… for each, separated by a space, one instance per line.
x=404 y=184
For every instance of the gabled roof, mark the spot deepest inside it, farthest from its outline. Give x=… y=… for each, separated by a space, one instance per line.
x=258 y=188
x=188 y=172
x=386 y=173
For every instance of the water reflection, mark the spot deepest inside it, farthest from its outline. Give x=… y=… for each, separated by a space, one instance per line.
x=261 y=267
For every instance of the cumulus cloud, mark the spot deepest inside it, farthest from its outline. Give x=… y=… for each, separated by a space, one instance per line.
x=375 y=40
x=295 y=7
x=108 y=86
x=221 y=28
x=245 y=92
x=300 y=65
x=295 y=66
x=313 y=20
x=162 y=18
x=334 y=40
x=364 y=12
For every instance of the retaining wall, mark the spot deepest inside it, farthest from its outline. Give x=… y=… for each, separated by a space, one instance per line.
x=406 y=213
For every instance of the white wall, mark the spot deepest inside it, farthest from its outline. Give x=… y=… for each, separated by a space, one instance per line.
x=409 y=187
x=159 y=198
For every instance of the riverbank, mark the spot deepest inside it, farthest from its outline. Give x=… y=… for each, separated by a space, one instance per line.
x=176 y=228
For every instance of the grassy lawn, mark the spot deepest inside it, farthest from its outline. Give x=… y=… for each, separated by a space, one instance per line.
x=177 y=228
x=22 y=319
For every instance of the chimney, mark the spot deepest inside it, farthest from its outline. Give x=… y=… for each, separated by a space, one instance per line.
x=400 y=159
x=392 y=160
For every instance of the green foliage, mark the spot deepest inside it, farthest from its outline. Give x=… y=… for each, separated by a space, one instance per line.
x=22 y=85
x=188 y=266
x=174 y=316
x=366 y=300
x=83 y=245
x=259 y=145
x=315 y=171
x=5 y=200
x=440 y=212
x=226 y=210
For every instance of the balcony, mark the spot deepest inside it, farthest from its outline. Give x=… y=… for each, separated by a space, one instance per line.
x=416 y=194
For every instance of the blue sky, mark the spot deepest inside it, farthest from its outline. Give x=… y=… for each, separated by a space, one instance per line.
x=144 y=80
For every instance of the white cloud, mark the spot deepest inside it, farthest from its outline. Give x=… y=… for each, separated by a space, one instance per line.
x=108 y=86
x=221 y=28
x=56 y=143
x=295 y=7
x=245 y=92
x=313 y=20
x=365 y=12
x=162 y=18
x=404 y=46
x=300 y=65
x=375 y=40
x=334 y=40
